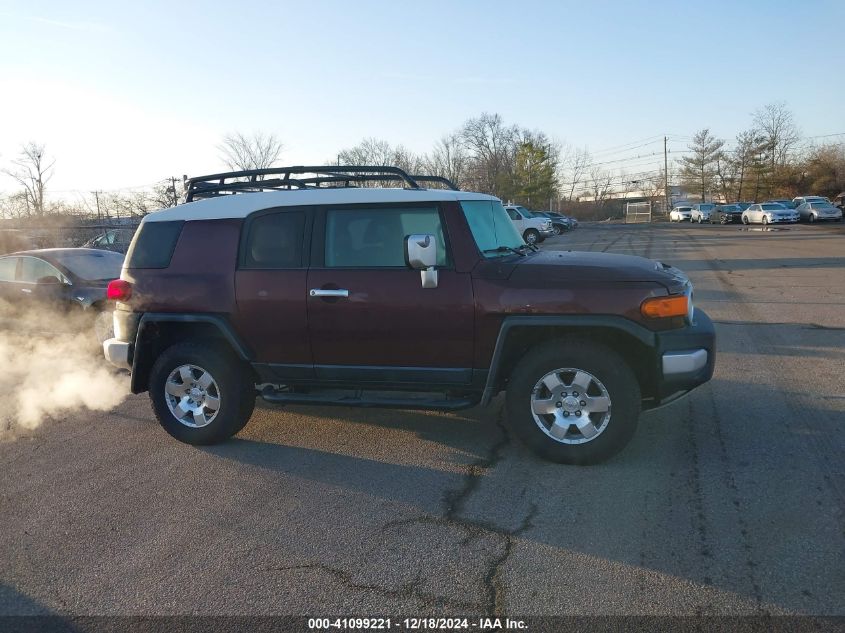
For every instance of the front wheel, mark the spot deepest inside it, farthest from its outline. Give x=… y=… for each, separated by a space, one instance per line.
x=745 y=220
x=531 y=236
x=811 y=219
x=765 y=220
x=573 y=402
x=557 y=230
x=201 y=394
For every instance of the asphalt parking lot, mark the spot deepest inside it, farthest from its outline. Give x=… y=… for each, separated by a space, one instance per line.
x=729 y=501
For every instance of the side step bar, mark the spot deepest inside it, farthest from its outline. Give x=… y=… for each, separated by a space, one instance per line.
x=360 y=400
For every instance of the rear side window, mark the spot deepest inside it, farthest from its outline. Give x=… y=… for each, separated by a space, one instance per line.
x=8 y=265
x=153 y=244
x=274 y=241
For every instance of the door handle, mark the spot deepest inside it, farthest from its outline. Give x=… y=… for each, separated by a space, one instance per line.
x=319 y=292
x=26 y=290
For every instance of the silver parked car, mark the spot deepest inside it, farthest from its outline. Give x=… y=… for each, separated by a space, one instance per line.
x=701 y=212
x=796 y=202
x=768 y=213
x=816 y=211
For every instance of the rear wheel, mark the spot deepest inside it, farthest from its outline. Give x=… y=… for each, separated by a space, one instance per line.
x=531 y=236
x=201 y=394
x=573 y=402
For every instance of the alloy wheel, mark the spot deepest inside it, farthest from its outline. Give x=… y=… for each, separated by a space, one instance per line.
x=570 y=405
x=192 y=396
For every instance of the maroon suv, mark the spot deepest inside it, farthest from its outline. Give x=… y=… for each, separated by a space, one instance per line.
x=321 y=291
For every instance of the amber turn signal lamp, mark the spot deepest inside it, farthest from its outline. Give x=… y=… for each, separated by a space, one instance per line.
x=662 y=307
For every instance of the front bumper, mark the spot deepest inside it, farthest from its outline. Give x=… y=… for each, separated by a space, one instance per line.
x=547 y=232
x=686 y=356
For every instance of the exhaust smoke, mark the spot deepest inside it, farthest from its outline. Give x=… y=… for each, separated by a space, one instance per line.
x=51 y=365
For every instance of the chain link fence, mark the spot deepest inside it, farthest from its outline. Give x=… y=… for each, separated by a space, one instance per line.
x=637 y=212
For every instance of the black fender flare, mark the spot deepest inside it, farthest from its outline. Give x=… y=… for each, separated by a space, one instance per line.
x=572 y=322
x=220 y=322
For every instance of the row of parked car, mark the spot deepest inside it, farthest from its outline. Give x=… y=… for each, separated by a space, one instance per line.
x=536 y=226
x=803 y=208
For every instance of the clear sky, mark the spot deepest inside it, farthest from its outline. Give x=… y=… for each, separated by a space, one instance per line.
x=126 y=93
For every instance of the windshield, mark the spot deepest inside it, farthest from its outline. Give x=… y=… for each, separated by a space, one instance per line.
x=707 y=207
x=539 y=214
x=773 y=207
x=491 y=227
x=821 y=205
x=92 y=266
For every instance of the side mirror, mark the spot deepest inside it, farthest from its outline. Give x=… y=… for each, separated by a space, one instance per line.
x=421 y=254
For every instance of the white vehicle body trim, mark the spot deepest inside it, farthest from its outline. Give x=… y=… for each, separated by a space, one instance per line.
x=675 y=363
x=242 y=204
x=117 y=353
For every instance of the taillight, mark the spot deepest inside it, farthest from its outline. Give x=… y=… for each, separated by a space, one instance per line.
x=119 y=290
x=662 y=307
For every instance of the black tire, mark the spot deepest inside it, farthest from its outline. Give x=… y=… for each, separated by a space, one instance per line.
x=605 y=365
x=765 y=220
x=531 y=236
x=811 y=219
x=557 y=230
x=233 y=379
x=745 y=220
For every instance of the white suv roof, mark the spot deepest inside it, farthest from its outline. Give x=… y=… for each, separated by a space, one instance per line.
x=242 y=204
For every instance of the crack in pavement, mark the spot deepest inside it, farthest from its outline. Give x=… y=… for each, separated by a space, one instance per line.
x=454 y=503
x=407 y=590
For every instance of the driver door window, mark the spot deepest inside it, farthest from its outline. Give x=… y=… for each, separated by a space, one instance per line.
x=375 y=238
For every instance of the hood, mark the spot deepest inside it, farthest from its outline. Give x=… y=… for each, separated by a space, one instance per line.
x=562 y=267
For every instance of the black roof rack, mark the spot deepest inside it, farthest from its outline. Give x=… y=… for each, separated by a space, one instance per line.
x=332 y=175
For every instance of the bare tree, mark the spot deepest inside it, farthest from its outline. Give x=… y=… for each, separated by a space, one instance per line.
x=493 y=146
x=601 y=182
x=370 y=151
x=259 y=151
x=777 y=125
x=376 y=152
x=449 y=159
x=574 y=165
x=32 y=170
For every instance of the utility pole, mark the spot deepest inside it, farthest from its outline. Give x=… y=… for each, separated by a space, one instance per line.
x=173 y=189
x=97 y=198
x=666 y=175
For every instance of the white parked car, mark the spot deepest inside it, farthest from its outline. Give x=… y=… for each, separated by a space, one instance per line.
x=769 y=213
x=816 y=211
x=680 y=214
x=701 y=212
x=532 y=229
